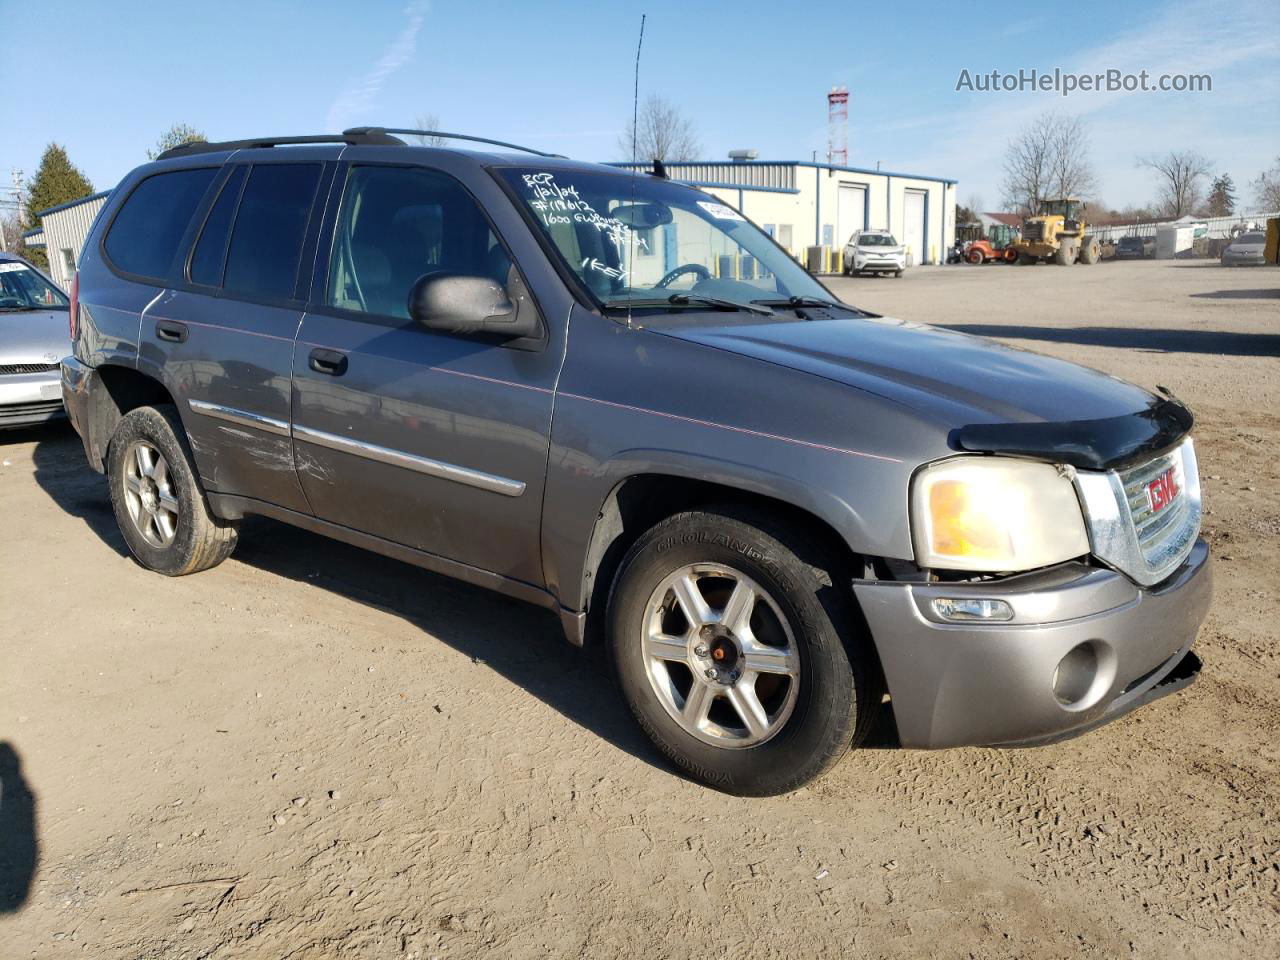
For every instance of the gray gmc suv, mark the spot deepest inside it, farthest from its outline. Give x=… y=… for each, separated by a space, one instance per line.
x=611 y=395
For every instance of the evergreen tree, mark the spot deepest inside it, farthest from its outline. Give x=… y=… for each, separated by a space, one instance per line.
x=1222 y=196
x=57 y=181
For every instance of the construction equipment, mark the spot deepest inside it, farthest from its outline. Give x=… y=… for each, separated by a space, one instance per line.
x=997 y=247
x=1057 y=233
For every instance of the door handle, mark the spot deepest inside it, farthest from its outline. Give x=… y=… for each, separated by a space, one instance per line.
x=330 y=362
x=171 y=330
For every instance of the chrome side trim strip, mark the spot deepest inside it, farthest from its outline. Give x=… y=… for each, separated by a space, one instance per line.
x=241 y=418
x=432 y=468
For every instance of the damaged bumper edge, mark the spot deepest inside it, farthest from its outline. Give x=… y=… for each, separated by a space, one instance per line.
x=1085 y=646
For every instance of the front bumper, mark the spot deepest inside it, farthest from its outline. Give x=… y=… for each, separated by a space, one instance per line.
x=972 y=684
x=30 y=398
x=879 y=263
x=1243 y=260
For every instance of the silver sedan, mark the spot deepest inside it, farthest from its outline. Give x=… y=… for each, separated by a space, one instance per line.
x=34 y=337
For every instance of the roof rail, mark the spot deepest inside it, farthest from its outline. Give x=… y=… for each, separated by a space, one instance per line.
x=375 y=131
x=359 y=136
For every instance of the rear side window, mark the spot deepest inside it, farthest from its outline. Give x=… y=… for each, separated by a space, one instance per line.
x=145 y=233
x=206 y=261
x=266 y=241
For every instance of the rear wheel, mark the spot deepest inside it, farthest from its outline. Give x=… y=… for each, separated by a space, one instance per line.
x=728 y=648
x=158 y=502
x=1090 y=251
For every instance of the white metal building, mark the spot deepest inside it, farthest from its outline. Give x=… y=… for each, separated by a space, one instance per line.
x=62 y=232
x=803 y=204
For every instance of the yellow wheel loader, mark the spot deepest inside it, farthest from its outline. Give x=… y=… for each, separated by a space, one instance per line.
x=1057 y=233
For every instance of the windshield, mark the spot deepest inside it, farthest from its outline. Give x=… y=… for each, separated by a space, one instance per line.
x=641 y=238
x=877 y=240
x=22 y=288
x=1250 y=238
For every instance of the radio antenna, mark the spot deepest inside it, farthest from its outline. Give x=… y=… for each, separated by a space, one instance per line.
x=635 y=137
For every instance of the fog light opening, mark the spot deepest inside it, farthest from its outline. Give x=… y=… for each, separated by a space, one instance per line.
x=970 y=610
x=1076 y=674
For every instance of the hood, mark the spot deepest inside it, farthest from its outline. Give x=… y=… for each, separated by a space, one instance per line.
x=957 y=380
x=33 y=336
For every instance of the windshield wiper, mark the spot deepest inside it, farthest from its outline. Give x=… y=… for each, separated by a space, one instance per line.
x=689 y=299
x=804 y=302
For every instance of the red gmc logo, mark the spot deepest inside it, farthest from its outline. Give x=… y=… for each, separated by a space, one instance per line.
x=1162 y=491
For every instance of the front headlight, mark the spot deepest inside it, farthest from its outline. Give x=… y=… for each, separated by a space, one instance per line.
x=995 y=514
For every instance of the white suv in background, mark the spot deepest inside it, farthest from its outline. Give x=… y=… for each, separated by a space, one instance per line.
x=874 y=251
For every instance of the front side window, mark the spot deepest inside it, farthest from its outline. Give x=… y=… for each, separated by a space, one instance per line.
x=22 y=288
x=399 y=223
x=266 y=240
x=635 y=238
x=145 y=233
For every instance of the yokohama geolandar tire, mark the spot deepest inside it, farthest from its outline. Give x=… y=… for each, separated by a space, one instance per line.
x=157 y=498
x=739 y=651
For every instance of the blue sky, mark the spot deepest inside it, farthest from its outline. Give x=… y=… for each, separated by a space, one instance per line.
x=105 y=79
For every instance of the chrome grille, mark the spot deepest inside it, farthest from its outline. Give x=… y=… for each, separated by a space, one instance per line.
x=1124 y=529
x=1156 y=529
x=13 y=369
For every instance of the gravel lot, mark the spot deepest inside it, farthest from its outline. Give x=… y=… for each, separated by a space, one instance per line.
x=314 y=752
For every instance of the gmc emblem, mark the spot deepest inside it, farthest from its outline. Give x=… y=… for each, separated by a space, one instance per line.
x=1162 y=491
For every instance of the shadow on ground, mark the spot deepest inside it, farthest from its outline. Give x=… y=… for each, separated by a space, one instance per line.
x=1166 y=341
x=19 y=849
x=1272 y=293
x=520 y=642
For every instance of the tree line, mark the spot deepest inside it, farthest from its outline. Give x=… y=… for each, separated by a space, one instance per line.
x=1050 y=158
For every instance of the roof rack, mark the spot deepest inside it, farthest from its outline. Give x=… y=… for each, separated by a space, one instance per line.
x=370 y=135
x=383 y=131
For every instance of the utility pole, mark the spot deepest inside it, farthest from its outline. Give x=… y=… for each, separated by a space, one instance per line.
x=14 y=202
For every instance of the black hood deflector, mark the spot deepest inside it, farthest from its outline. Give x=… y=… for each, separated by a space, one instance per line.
x=1111 y=443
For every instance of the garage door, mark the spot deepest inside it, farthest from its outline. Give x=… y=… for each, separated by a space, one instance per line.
x=852 y=212
x=913 y=225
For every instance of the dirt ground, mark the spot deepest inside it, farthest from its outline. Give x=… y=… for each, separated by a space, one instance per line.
x=311 y=751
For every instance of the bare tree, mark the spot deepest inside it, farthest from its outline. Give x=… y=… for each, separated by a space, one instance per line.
x=1266 y=189
x=428 y=121
x=1048 y=158
x=1179 y=173
x=975 y=202
x=661 y=133
x=178 y=135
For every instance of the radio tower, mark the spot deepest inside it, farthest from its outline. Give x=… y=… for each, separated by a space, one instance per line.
x=838 y=126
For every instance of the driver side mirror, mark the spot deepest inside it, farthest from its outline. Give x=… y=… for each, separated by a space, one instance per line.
x=461 y=304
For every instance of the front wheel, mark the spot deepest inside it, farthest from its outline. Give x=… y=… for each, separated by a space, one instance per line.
x=728 y=648
x=158 y=502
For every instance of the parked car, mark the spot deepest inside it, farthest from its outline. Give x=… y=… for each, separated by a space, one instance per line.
x=33 y=339
x=874 y=251
x=1135 y=248
x=610 y=395
x=1245 y=250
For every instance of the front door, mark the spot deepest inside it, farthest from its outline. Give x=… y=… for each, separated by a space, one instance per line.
x=434 y=441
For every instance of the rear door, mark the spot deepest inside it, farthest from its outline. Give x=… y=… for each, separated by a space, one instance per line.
x=431 y=440
x=224 y=335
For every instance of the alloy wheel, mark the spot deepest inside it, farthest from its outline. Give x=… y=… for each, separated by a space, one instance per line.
x=149 y=494
x=720 y=655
